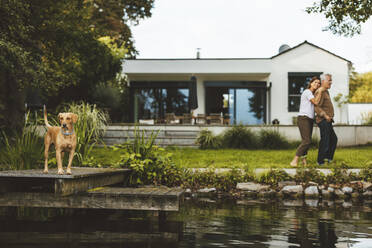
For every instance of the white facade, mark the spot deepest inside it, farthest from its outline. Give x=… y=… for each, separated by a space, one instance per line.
x=359 y=111
x=273 y=71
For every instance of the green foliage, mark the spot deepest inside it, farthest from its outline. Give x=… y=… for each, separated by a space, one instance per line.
x=89 y=128
x=225 y=182
x=240 y=137
x=305 y=175
x=361 y=88
x=54 y=46
x=339 y=175
x=22 y=150
x=150 y=164
x=206 y=140
x=272 y=139
x=366 y=173
x=367 y=118
x=273 y=177
x=344 y=17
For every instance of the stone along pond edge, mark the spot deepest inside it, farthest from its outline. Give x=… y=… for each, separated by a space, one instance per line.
x=353 y=190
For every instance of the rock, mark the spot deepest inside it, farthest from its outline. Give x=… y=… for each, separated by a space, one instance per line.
x=207 y=190
x=311 y=202
x=347 y=190
x=286 y=183
x=312 y=191
x=347 y=204
x=339 y=194
x=293 y=190
x=321 y=187
x=331 y=190
x=335 y=186
x=254 y=187
x=366 y=186
x=312 y=183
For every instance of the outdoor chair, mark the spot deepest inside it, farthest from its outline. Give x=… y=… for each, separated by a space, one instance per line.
x=171 y=118
x=200 y=119
x=215 y=118
x=187 y=119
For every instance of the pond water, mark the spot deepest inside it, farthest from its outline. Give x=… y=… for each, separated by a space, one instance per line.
x=200 y=223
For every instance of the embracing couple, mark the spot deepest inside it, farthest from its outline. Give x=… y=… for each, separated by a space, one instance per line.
x=316 y=99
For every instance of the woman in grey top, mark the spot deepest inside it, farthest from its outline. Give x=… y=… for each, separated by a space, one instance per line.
x=305 y=120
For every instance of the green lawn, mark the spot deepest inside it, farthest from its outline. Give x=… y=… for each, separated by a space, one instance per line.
x=227 y=158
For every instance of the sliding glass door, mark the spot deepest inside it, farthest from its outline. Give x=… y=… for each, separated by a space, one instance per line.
x=240 y=105
x=154 y=103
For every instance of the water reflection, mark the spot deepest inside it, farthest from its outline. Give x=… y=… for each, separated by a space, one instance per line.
x=200 y=223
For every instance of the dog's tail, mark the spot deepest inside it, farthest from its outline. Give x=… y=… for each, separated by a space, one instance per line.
x=46 y=118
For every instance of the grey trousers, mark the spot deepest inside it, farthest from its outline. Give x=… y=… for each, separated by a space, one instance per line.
x=305 y=124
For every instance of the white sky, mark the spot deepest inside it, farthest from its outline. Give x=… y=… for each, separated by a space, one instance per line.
x=242 y=29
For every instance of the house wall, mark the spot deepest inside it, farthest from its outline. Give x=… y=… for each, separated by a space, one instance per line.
x=306 y=58
x=356 y=110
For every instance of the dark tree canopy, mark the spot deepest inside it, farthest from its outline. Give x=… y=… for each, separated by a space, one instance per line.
x=345 y=16
x=54 y=47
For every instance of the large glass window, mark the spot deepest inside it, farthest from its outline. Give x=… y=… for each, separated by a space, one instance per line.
x=297 y=83
x=154 y=103
x=240 y=105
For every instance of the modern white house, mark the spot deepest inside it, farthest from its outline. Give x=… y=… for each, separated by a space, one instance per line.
x=251 y=91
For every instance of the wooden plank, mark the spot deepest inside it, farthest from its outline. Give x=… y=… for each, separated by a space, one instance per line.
x=33 y=238
x=78 y=172
x=83 y=179
x=106 y=198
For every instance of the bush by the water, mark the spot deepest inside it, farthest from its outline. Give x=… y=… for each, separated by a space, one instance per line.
x=240 y=137
x=22 y=150
x=150 y=164
x=91 y=125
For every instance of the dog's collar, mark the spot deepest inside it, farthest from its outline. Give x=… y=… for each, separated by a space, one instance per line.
x=67 y=133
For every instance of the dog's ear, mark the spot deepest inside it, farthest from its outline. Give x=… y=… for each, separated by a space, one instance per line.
x=59 y=117
x=74 y=118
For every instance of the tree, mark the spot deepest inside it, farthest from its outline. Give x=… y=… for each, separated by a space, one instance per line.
x=54 y=46
x=112 y=18
x=345 y=16
x=361 y=88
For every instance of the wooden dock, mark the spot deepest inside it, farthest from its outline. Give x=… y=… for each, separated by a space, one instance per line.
x=86 y=188
x=82 y=179
x=153 y=199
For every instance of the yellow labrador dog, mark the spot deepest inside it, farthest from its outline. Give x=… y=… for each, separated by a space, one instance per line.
x=64 y=139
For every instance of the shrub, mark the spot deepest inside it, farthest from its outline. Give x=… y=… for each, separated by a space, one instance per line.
x=149 y=163
x=206 y=140
x=274 y=176
x=23 y=150
x=91 y=125
x=339 y=175
x=367 y=118
x=240 y=137
x=272 y=139
x=305 y=175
